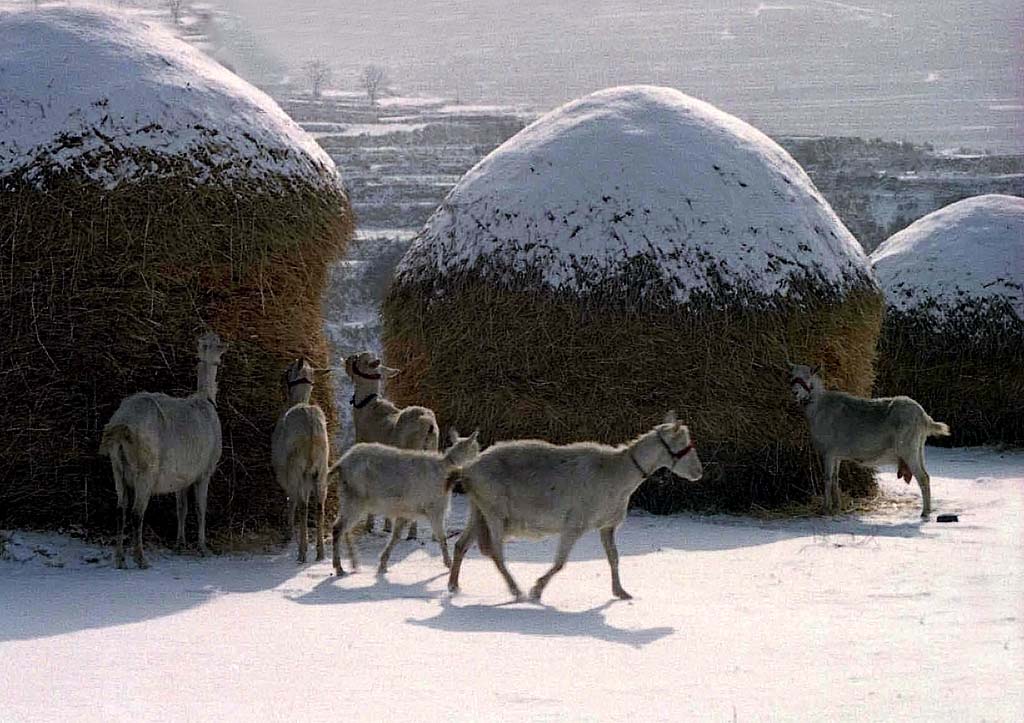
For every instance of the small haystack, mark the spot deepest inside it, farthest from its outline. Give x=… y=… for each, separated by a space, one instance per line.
x=147 y=194
x=633 y=251
x=953 y=337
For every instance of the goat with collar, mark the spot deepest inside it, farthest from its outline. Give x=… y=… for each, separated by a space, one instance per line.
x=376 y=419
x=866 y=431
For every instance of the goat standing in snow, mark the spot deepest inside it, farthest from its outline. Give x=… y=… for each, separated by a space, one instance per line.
x=299 y=454
x=378 y=420
x=401 y=484
x=159 y=444
x=866 y=431
x=530 y=488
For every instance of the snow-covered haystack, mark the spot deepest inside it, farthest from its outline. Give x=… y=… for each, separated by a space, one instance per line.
x=147 y=194
x=953 y=336
x=630 y=252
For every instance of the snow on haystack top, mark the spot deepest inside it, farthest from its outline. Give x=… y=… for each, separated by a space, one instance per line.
x=640 y=171
x=89 y=87
x=970 y=250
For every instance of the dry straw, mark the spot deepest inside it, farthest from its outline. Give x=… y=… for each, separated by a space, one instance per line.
x=103 y=292
x=964 y=365
x=505 y=355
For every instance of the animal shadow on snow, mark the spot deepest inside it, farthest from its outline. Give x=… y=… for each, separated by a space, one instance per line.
x=333 y=590
x=725 y=532
x=41 y=602
x=534 y=619
x=644 y=534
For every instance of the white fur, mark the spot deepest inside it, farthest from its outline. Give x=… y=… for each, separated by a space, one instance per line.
x=380 y=420
x=401 y=484
x=530 y=488
x=159 y=444
x=299 y=454
x=866 y=431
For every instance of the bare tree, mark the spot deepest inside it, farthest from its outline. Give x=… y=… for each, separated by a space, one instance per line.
x=375 y=80
x=175 y=6
x=317 y=73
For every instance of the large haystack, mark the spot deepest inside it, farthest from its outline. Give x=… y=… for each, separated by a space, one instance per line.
x=147 y=194
x=953 y=336
x=633 y=251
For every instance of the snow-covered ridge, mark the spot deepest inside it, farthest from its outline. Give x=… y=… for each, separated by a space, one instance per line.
x=106 y=92
x=640 y=173
x=972 y=250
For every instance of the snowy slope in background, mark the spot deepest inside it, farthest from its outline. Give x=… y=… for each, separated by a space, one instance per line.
x=640 y=171
x=969 y=250
x=77 y=82
x=881 y=617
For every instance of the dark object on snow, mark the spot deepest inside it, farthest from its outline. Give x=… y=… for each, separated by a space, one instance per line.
x=947 y=518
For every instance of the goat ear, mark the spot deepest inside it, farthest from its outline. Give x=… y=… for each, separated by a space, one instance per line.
x=453 y=435
x=475 y=434
x=670 y=417
x=816 y=369
x=388 y=372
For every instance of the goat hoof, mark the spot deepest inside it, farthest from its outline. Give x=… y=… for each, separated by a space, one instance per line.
x=453 y=589
x=142 y=564
x=320 y=556
x=339 y=572
x=622 y=594
x=204 y=551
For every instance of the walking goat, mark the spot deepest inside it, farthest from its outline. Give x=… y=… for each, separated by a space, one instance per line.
x=401 y=484
x=378 y=420
x=531 y=488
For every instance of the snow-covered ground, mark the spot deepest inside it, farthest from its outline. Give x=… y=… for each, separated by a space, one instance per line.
x=878 y=617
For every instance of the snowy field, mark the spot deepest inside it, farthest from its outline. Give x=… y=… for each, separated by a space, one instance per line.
x=852 y=618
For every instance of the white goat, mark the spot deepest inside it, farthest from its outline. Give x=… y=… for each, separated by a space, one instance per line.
x=299 y=454
x=866 y=431
x=531 y=488
x=159 y=444
x=378 y=420
x=401 y=484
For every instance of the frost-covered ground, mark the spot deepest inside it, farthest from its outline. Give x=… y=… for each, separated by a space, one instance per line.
x=853 y=618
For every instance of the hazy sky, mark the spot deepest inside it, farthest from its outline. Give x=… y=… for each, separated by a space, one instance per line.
x=949 y=71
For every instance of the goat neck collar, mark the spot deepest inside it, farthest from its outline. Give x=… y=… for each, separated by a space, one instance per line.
x=366 y=400
x=798 y=382
x=676 y=456
x=360 y=373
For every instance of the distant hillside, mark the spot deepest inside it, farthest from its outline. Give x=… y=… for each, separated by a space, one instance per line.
x=401 y=158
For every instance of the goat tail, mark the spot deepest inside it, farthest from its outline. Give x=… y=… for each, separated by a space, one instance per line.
x=116 y=442
x=937 y=429
x=454 y=478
